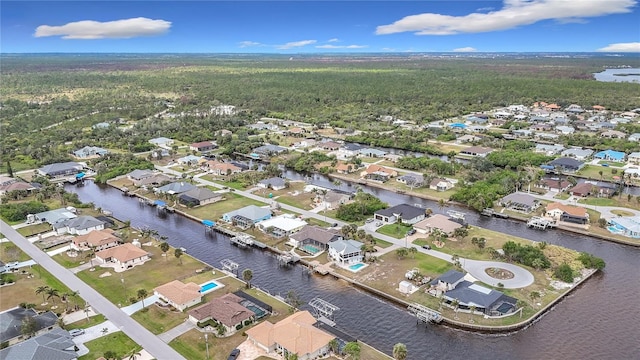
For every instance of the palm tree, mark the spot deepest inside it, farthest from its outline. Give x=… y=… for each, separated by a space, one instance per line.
x=178 y=253
x=164 y=246
x=455 y=303
x=142 y=293
x=413 y=251
x=90 y=253
x=247 y=275
x=472 y=309
x=334 y=346
x=534 y=295
x=53 y=294
x=353 y=350
x=42 y=290
x=133 y=354
x=399 y=351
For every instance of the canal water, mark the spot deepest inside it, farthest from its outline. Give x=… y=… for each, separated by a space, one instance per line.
x=601 y=320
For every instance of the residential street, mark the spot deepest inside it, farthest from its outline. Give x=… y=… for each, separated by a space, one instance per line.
x=135 y=331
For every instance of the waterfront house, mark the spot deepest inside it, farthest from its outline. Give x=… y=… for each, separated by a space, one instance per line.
x=313 y=238
x=178 y=294
x=154 y=180
x=378 y=173
x=55 y=344
x=583 y=190
x=373 y=153
x=519 y=201
x=247 y=216
x=162 y=142
x=220 y=168
x=56 y=216
x=345 y=252
x=175 y=188
x=566 y=164
x=90 y=152
x=267 y=150
x=333 y=199
x=329 y=145
x=567 y=213
x=555 y=185
x=124 y=256
x=137 y=174
x=199 y=196
x=296 y=334
x=610 y=155
x=348 y=150
x=203 y=146
x=11 y=323
x=342 y=168
x=274 y=183
x=60 y=169
x=467 y=139
x=415 y=180
x=577 y=153
x=282 y=225
x=441 y=184
x=436 y=222
x=393 y=157
x=80 y=225
x=626 y=226
x=478 y=151
x=408 y=214
x=548 y=150
x=448 y=281
x=225 y=310
x=96 y=239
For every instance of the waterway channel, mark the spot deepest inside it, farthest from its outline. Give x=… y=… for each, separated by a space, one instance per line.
x=601 y=320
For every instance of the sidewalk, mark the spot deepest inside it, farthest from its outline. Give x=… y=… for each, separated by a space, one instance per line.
x=171 y=334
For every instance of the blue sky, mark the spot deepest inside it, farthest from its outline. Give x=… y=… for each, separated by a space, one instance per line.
x=320 y=26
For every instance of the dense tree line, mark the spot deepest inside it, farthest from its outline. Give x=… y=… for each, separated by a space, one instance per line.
x=526 y=254
x=363 y=206
x=19 y=211
x=307 y=162
x=112 y=165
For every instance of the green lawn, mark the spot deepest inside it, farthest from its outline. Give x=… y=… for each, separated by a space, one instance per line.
x=10 y=252
x=382 y=243
x=599 y=201
x=34 y=229
x=158 y=320
x=397 y=231
x=216 y=210
x=117 y=342
x=84 y=323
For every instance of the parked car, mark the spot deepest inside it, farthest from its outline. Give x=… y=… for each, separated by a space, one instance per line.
x=411 y=232
x=426 y=247
x=234 y=354
x=379 y=223
x=369 y=220
x=76 y=332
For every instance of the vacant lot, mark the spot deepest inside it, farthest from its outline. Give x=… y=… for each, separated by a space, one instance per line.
x=24 y=290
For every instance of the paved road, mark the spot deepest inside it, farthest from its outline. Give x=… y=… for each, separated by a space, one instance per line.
x=135 y=331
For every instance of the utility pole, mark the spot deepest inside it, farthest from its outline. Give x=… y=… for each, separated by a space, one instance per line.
x=206 y=341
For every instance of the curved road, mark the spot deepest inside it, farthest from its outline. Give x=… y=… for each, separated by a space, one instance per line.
x=133 y=329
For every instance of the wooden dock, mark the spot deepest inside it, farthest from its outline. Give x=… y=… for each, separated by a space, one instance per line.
x=540 y=223
x=493 y=213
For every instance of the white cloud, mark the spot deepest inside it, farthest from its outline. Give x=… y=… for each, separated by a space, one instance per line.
x=333 y=40
x=514 y=13
x=465 y=49
x=118 y=29
x=295 y=44
x=244 y=44
x=329 y=46
x=622 y=47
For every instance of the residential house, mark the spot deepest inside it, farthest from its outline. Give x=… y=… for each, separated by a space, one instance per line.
x=295 y=334
x=178 y=294
x=226 y=310
x=175 y=188
x=221 y=168
x=345 y=252
x=56 y=344
x=520 y=201
x=223 y=110
x=613 y=134
x=96 y=239
x=282 y=225
x=575 y=109
x=441 y=184
x=101 y=125
x=634 y=158
x=634 y=137
x=437 y=222
x=329 y=145
x=577 y=153
x=408 y=214
x=14 y=185
x=348 y=150
x=137 y=174
x=90 y=152
x=625 y=226
x=565 y=130
x=522 y=133
x=610 y=155
x=189 y=160
x=305 y=143
x=60 y=169
x=80 y=225
x=590 y=189
x=260 y=125
x=296 y=132
x=203 y=146
x=548 y=150
x=411 y=179
x=333 y=199
x=453 y=287
x=567 y=213
x=267 y=151
x=552 y=107
x=393 y=157
x=467 y=139
x=224 y=132
x=370 y=152
x=566 y=164
x=124 y=256
x=342 y=168
x=547 y=136
x=154 y=180
x=247 y=216
x=378 y=173
x=199 y=196
x=55 y=216
x=555 y=185
x=11 y=322
x=313 y=239
x=476 y=151
x=274 y=183
x=162 y=142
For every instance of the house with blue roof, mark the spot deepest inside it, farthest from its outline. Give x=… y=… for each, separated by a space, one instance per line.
x=611 y=155
x=90 y=152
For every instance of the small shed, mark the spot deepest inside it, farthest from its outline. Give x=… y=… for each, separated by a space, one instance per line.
x=406 y=287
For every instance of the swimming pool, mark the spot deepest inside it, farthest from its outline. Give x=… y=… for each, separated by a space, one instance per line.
x=356 y=267
x=310 y=249
x=205 y=288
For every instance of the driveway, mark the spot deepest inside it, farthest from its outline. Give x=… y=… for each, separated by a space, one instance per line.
x=171 y=334
x=93 y=333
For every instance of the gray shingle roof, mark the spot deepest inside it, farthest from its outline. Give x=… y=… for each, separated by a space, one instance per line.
x=406 y=212
x=200 y=193
x=56 y=344
x=274 y=182
x=176 y=188
x=449 y=277
x=80 y=223
x=58 y=168
x=520 y=199
x=250 y=212
x=315 y=233
x=11 y=320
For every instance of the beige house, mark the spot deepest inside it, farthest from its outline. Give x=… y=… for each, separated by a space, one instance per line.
x=225 y=310
x=178 y=294
x=97 y=239
x=125 y=255
x=436 y=222
x=440 y=184
x=293 y=335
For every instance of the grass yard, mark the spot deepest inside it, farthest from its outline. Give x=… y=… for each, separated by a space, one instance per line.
x=10 y=252
x=300 y=199
x=192 y=345
x=84 y=323
x=153 y=273
x=117 y=342
x=593 y=172
x=24 y=290
x=34 y=229
x=216 y=210
x=158 y=320
x=397 y=231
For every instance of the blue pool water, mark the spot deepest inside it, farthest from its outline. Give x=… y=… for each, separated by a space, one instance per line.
x=208 y=287
x=357 y=266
